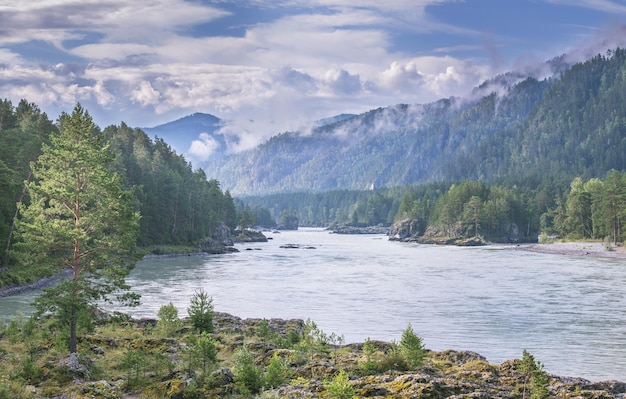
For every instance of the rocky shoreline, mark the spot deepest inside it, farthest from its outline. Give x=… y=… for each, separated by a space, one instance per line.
x=39 y=284
x=310 y=366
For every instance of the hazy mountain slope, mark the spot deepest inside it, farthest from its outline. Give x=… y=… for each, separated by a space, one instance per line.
x=181 y=133
x=530 y=130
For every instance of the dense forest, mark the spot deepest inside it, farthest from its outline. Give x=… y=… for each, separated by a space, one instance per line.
x=178 y=205
x=585 y=209
x=539 y=158
x=513 y=130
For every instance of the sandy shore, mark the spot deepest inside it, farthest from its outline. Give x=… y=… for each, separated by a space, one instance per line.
x=596 y=249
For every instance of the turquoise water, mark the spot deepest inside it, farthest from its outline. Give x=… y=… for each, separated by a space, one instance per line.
x=569 y=312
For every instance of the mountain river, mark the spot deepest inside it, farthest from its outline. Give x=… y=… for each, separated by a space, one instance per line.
x=569 y=312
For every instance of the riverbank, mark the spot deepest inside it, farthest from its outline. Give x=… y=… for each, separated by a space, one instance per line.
x=577 y=248
x=283 y=358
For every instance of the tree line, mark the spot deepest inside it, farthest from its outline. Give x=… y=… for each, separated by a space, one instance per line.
x=178 y=205
x=592 y=209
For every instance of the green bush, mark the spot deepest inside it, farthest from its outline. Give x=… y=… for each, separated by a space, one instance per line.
x=168 y=321
x=200 y=311
x=412 y=348
x=393 y=360
x=203 y=353
x=247 y=375
x=276 y=373
x=545 y=239
x=340 y=387
x=370 y=366
x=536 y=380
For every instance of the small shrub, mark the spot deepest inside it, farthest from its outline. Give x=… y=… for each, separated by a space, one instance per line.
x=264 y=330
x=247 y=375
x=340 y=387
x=393 y=360
x=369 y=366
x=535 y=378
x=203 y=353
x=132 y=363
x=276 y=373
x=412 y=348
x=200 y=311
x=30 y=371
x=168 y=319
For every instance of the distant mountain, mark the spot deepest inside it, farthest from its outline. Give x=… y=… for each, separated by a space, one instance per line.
x=334 y=119
x=181 y=133
x=515 y=129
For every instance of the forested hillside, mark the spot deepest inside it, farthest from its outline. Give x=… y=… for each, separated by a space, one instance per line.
x=177 y=204
x=533 y=131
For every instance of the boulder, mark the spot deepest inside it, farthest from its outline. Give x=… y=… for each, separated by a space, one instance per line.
x=406 y=229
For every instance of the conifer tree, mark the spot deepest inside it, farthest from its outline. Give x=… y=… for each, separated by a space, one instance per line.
x=81 y=219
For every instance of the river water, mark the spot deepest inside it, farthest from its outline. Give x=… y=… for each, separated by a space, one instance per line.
x=569 y=312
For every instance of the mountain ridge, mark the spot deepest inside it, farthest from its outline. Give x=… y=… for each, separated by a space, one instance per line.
x=514 y=128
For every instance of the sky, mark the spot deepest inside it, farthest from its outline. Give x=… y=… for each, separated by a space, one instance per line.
x=268 y=66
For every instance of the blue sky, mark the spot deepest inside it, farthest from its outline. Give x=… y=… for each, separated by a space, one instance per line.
x=267 y=66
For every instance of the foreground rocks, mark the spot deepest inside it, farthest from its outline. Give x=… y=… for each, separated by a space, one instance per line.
x=312 y=361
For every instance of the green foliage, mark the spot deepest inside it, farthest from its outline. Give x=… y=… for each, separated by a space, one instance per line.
x=10 y=389
x=79 y=218
x=544 y=238
x=531 y=133
x=370 y=366
x=313 y=339
x=248 y=376
x=168 y=322
x=276 y=373
x=593 y=209
x=200 y=311
x=203 y=353
x=132 y=363
x=339 y=387
x=412 y=348
x=393 y=360
x=178 y=205
x=536 y=380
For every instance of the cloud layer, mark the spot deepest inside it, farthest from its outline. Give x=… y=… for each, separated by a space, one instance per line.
x=266 y=66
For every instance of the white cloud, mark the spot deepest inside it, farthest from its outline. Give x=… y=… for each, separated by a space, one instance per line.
x=9 y=57
x=202 y=148
x=312 y=59
x=145 y=94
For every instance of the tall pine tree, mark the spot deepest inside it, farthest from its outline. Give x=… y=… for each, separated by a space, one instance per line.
x=79 y=218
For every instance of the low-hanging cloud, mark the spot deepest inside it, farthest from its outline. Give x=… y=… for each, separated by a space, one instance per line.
x=202 y=148
x=149 y=62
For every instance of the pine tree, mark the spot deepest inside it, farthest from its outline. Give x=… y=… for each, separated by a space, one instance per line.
x=79 y=218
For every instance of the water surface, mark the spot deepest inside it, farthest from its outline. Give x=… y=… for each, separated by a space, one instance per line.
x=569 y=312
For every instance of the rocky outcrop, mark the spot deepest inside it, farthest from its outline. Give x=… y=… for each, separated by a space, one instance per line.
x=406 y=230
x=219 y=242
x=414 y=230
x=312 y=361
x=360 y=230
x=249 y=236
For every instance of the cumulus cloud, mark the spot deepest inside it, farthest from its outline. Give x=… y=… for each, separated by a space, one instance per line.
x=202 y=148
x=145 y=94
x=153 y=61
